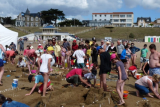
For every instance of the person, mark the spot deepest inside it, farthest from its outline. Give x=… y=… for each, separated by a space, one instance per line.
x=124 y=57
x=103 y=45
x=8 y=102
x=65 y=43
x=128 y=54
x=2 y=50
x=133 y=55
x=13 y=46
x=45 y=67
x=144 y=54
x=112 y=49
x=105 y=67
x=48 y=45
x=40 y=48
x=94 y=53
x=75 y=76
x=30 y=44
x=21 y=44
x=54 y=42
x=107 y=45
x=122 y=77
x=31 y=58
x=58 y=54
x=124 y=43
x=145 y=68
x=25 y=51
x=133 y=70
x=120 y=48
x=38 y=79
x=63 y=56
x=79 y=54
x=88 y=51
x=145 y=84
x=21 y=63
x=74 y=45
x=11 y=56
x=68 y=55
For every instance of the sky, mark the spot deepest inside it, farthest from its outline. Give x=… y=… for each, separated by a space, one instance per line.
x=82 y=9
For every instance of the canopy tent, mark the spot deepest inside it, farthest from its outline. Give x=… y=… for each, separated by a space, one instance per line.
x=7 y=36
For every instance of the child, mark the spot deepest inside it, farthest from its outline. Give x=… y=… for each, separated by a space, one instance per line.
x=58 y=54
x=133 y=70
x=145 y=68
x=63 y=56
x=92 y=74
x=38 y=79
x=8 y=102
x=122 y=76
x=72 y=60
x=21 y=63
x=68 y=54
x=45 y=67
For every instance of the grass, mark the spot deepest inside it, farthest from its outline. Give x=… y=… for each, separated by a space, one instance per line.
x=121 y=33
x=20 y=33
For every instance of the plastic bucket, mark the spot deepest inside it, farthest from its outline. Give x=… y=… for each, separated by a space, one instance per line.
x=33 y=71
x=125 y=94
x=138 y=76
x=4 y=62
x=15 y=81
x=14 y=85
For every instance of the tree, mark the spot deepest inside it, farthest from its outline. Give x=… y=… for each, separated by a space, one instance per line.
x=52 y=15
x=70 y=22
x=151 y=24
x=7 y=20
x=131 y=35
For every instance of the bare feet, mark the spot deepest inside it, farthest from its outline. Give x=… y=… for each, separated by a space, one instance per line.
x=137 y=93
x=121 y=103
x=150 y=95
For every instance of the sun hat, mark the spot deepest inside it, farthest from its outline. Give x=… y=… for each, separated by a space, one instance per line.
x=50 y=48
x=113 y=56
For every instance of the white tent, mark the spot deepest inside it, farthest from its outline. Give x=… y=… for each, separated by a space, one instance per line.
x=7 y=36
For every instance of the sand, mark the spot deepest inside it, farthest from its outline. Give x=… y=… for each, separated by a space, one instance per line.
x=68 y=96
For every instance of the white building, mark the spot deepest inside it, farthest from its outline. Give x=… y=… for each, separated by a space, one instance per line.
x=118 y=19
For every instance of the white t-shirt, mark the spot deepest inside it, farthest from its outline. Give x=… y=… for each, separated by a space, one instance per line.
x=44 y=65
x=89 y=76
x=79 y=54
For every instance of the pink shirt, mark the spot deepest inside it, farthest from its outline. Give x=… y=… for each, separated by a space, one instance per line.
x=40 y=47
x=10 y=53
x=25 y=51
x=75 y=72
x=31 y=53
x=143 y=81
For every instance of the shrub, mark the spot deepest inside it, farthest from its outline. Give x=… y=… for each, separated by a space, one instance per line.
x=131 y=35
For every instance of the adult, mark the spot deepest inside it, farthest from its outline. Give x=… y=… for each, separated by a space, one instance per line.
x=107 y=45
x=128 y=54
x=74 y=45
x=2 y=50
x=21 y=46
x=124 y=43
x=146 y=82
x=143 y=55
x=75 y=76
x=112 y=49
x=30 y=44
x=11 y=56
x=120 y=48
x=54 y=42
x=105 y=67
x=79 y=54
x=94 y=53
x=66 y=43
x=31 y=58
x=103 y=45
x=133 y=55
x=58 y=54
x=13 y=46
x=8 y=102
x=25 y=51
x=50 y=43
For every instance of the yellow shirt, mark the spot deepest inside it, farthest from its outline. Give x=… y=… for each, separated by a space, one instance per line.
x=57 y=50
x=89 y=52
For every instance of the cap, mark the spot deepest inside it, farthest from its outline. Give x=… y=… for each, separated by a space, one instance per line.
x=30 y=78
x=113 y=56
x=50 y=48
x=74 y=41
x=39 y=44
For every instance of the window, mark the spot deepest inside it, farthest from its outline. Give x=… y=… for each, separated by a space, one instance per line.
x=123 y=20
x=19 y=18
x=122 y=15
x=95 y=19
x=147 y=20
x=95 y=15
x=27 y=18
x=31 y=18
x=129 y=15
x=104 y=19
x=27 y=23
x=105 y=15
x=129 y=20
x=36 y=18
x=99 y=19
x=111 y=16
x=23 y=18
x=141 y=20
x=116 y=20
x=100 y=15
x=128 y=25
x=36 y=24
x=32 y=24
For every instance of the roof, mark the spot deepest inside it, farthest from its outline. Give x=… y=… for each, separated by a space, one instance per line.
x=27 y=11
x=147 y=19
x=30 y=14
x=115 y=13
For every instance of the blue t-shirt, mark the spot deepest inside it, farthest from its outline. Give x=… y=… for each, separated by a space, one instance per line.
x=14 y=104
x=39 y=78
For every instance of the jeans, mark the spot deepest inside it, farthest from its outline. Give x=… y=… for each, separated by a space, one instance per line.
x=142 y=89
x=80 y=65
x=153 y=71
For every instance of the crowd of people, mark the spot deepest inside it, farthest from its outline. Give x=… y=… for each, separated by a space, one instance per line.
x=82 y=58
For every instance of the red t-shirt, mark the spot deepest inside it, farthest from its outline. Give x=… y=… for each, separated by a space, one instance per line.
x=74 y=47
x=10 y=53
x=40 y=47
x=31 y=53
x=25 y=51
x=131 y=68
x=75 y=72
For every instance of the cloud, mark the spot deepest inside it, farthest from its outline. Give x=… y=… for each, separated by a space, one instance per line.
x=147 y=4
x=76 y=8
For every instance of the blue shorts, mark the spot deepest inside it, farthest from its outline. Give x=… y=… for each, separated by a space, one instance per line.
x=1 y=63
x=80 y=65
x=142 y=89
x=129 y=56
x=153 y=71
